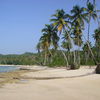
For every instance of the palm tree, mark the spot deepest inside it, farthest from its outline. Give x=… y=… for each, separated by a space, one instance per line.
x=95 y=12
x=45 y=44
x=78 y=17
x=48 y=39
x=92 y=0
x=77 y=38
x=86 y=52
x=97 y=39
x=54 y=39
x=66 y=44
x=91 y=15
x=94 y=4
x=77 y=34
x=60 y=22
x=52 y=33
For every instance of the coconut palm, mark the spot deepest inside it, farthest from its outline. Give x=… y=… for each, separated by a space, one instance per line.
x=90 y=1
x=94 y=12
x=52 y=33
x=91 y=15
x=60 y=22
x=97 y=43
x=97 y=37
x=53 y=38
x=66 y=44
x=48 y=39
x=94 y=4
x=78 y=17
x=77 y=34
x=77 y=38
x=45 y=44
x=86 y=52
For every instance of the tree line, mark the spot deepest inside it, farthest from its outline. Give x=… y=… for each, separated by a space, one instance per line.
x=63 y=42
x=66 y=34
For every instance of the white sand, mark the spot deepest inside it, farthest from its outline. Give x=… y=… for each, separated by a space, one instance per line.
x=77 y=88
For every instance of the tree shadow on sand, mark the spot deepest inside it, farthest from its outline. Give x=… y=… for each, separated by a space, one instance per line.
x=49 y=78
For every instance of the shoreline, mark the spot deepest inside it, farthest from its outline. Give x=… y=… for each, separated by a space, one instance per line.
x=26 y=72
x=10 y=77
x=75 y=88
x=15 y=76
x=86 y=66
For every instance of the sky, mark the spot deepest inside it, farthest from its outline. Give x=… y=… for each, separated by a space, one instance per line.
x=21 y=22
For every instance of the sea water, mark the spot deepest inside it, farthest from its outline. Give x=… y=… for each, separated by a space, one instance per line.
x=8 y=68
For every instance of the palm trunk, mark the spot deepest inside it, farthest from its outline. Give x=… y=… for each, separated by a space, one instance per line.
x=91 y=52
x=69 y=57
x=89 y=29
x=72 y=46
x=86 y=57
x=50 y=57
x=45 y=58
x=78 y=57
x=67 y=64
x=78 y=52
x=74 y=57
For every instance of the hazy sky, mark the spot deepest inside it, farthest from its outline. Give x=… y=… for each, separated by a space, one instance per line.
x=21 y=22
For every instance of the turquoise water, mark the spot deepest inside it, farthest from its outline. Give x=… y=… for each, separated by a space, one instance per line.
x=8 y=68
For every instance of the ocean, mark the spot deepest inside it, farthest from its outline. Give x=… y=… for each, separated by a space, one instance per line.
x=8 y=68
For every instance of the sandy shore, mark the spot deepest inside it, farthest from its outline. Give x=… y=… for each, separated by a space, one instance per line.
x=80 y=84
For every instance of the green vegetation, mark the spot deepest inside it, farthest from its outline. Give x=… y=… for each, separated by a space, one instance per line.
x=63 y=42
x=55 y=59
x=24 y=59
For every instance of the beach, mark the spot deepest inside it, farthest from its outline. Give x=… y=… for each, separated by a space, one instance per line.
x=54 y=84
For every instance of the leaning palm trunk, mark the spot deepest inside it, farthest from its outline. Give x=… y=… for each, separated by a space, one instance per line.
x=45 y=58
x=91 y=52
x=86 y=57
x=74 y=57
x=72 y=46
x=78 y=57
x=89 y=40
x=50 y=57
x=67 y=64
x=89 y=29
x=78 y=52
